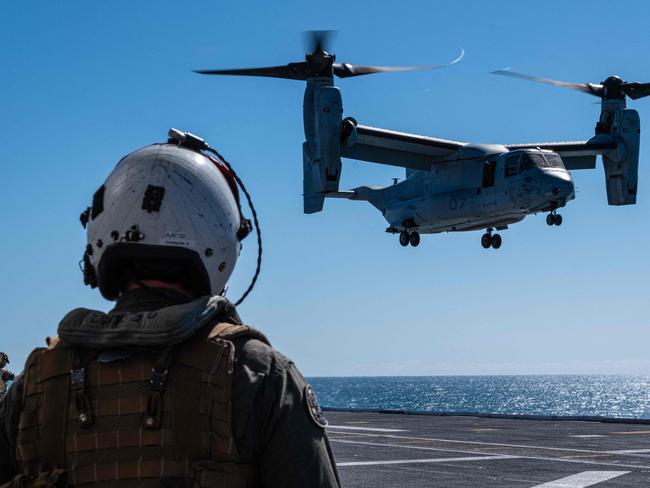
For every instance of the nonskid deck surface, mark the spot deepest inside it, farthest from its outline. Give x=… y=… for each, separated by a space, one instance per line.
x=398 y=450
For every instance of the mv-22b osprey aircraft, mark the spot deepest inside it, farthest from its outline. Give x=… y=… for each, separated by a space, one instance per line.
x=455 y=186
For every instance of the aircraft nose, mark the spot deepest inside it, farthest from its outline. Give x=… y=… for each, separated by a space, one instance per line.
x=562 y=187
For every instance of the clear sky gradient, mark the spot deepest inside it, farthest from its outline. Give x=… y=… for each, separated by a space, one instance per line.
x=83 y=83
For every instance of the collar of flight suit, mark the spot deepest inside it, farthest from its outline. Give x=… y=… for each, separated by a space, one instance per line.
x=164 y=326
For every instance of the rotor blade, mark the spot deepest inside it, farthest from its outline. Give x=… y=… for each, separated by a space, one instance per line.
x=346 y=70
x=318 y=40
x=291 y=71
x=590 y=88
x=636 y=90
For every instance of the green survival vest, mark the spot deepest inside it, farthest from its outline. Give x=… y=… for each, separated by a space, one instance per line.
x=155 y=418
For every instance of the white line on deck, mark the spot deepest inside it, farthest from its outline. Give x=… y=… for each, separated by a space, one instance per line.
x=370 y=429
x=435 y=460
x=630 y=451
x=586 y=436
x=496 y=454
x=417 y=448
x=495 y=444
x=581 y=480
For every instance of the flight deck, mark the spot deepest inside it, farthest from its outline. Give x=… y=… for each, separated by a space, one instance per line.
x=378 y=450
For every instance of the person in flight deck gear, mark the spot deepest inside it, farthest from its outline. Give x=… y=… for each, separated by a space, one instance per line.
x=169 y=388
x=5 y=376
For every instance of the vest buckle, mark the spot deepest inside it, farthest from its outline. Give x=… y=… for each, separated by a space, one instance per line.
x=78 y=379
x=157 y=380
x=78 y=387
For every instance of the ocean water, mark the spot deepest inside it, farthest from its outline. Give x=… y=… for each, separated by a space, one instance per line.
x=607 y=396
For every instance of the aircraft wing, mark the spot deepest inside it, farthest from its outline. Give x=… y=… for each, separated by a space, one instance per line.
x=395 y=148
x=575 y=154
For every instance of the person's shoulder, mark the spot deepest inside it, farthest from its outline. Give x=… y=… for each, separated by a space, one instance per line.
x=257 y=354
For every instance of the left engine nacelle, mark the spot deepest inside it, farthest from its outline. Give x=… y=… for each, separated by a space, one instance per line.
x=322 y=149
x=622 y=166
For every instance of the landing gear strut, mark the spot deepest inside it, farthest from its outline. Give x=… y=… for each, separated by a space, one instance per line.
x=491 y=240
x=412 y=238
x=554 y=218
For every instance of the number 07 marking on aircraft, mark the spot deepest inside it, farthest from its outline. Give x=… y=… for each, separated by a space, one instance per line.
x=582 y=480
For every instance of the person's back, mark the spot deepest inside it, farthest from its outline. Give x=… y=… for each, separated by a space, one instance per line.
x=167 y=389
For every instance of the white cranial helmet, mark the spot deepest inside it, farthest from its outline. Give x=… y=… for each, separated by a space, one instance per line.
x=165 y=205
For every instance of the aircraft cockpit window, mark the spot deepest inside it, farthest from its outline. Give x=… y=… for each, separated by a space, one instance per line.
x=546 y=160
x=554 y=161
x=511 y=167
x=529 y=161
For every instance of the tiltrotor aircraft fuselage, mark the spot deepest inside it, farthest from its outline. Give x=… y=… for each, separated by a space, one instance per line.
x=453 y=186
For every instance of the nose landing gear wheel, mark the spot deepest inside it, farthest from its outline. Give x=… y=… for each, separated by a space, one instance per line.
x=404 y=238
x=414 y=239
x=486 y=241
x=496 y=241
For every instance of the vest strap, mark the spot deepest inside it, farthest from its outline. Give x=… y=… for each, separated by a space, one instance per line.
x=229 y=332
x=78 y=389
x=152 y=418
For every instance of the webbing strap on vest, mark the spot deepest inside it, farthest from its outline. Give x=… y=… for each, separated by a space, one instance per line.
x=152 y=418
x=78 y=390
x=230 y=332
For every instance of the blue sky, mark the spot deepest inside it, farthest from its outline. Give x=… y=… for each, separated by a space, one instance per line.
x=84 y=83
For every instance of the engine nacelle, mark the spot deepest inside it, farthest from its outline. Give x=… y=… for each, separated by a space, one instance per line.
x=322 y=149
x=622 y=165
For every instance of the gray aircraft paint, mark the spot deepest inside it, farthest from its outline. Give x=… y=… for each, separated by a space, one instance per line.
x=454 y=186
x=443 y=190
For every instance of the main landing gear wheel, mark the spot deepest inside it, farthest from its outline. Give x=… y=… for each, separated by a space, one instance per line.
x=414 y=239
x=404 y=238
x=554 y=219
x=489 y=240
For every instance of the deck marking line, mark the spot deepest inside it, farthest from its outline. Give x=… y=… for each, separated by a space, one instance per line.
x=632 y=432
x=581 y=480
x=417 y=448
x=581 y=461
x=586 y=436
x=630 y=451
x=369 y=429
x=481 y=443
x=434 y=460
x=496 y=454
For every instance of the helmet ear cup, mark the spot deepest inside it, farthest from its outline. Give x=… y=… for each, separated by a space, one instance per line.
x=90 y=275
